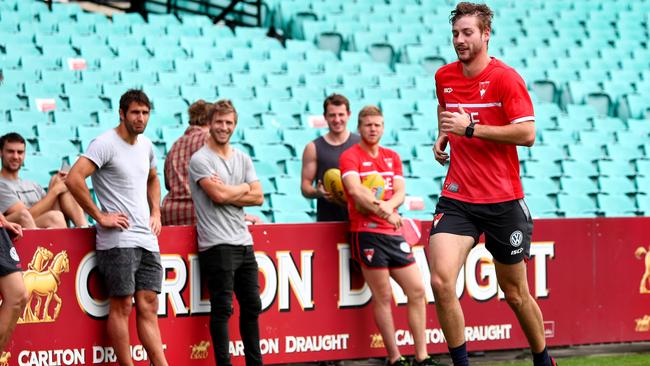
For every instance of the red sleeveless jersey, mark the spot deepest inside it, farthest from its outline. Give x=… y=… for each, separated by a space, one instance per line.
x=482 y=171
x=388 y=164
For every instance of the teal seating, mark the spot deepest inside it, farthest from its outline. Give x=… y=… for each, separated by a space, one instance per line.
x=617 y=205
x=576 y=205
x=541 y=206
x=616 y=185
x=578 y=186
x=579 y=168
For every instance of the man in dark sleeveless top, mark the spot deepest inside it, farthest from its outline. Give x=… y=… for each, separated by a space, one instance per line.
x=323 y=153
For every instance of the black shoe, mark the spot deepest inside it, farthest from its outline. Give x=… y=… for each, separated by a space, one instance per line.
x=402 y=361
x=429 y=361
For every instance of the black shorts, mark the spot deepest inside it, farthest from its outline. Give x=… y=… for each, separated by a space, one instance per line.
x=127 y=270
x=9 y=260
x=508 y=226
x=375 y=250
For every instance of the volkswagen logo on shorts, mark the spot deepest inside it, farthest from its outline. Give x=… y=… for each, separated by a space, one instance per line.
x=516 y=237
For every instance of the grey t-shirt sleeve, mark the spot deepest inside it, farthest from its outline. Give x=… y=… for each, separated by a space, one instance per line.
x=8 y=197
x=250 y=174
x=40 y=191
x=99 y=152
x=199 y=168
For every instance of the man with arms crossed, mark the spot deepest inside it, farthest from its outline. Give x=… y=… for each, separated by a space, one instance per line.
x=123 y=169
x=12 y=288
x=323 y=154
x=222 y=182
x=377 y=242
x=484 y=113
x=25 y=202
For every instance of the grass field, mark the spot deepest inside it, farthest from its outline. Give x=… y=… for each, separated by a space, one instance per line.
x=622 y=360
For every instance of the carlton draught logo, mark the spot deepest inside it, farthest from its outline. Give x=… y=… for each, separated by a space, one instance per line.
x=643 y=252
x=4 y=359
x=42 y=281
x=199 y=350
x=376 y=341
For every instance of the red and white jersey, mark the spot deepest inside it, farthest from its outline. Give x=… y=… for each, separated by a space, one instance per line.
x=482 y=171
x=388 y=164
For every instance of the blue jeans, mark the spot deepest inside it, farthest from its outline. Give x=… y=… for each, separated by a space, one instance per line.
x=228 y=269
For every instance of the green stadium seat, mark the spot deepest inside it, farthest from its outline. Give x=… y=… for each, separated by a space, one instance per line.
x=557 y=137
x=283 y=217
x=376 y=95
x=614 y=168
x=579 y=169
x=414 y=137
x=623 y=151
x=616 y=185
x=540 y=186
x=586 y=152
x=427 y=168
x=542 y=169
x=631 y=137
x=617 y=205
x=262 y=135
x=541 y=206
x=547 y=153
x=264 y=168
x=577 y=205
x=31 y=117
x=596 y=137
x=284 y=80
x=57 y=148
x=235 y=92
x=68 y=119
x=277 y=152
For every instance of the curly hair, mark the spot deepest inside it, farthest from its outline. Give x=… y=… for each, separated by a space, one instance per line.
x=481 y=11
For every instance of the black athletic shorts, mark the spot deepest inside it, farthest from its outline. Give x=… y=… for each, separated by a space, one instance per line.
x=9 y=260
x=373 y=250
x=508 y=226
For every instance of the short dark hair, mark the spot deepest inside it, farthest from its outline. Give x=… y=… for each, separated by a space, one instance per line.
x=220 y=108
x=481 y=11
x=198 y=113
x=133 y=95
x=11 y=137
x=337 y=100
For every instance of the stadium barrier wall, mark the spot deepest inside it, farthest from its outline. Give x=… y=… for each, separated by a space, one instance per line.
x=590 y=277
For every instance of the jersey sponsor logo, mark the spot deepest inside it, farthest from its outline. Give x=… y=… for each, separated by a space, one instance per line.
x=437 y=218
x=366 y=163
x=369 y=253
x=482 y=87
x=516 y=238
x=448 y=90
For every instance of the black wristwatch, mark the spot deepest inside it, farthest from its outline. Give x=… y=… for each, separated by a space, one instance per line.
x=469 y=130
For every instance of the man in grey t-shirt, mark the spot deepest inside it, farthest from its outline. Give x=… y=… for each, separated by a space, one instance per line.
x=222 y=181
x=122 y=165
x=25 y=202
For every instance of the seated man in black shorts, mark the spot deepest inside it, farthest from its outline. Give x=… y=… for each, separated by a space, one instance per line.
x=12 y=287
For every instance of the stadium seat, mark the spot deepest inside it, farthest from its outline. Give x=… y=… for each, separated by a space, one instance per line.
x=576 y=205
x=616 y=185
x=541 y=206
x=617 y=205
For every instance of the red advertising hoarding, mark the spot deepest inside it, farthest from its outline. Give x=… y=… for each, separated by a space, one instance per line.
x=589 y=276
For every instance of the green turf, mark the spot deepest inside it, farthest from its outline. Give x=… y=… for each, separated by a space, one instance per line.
x=622 y=360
